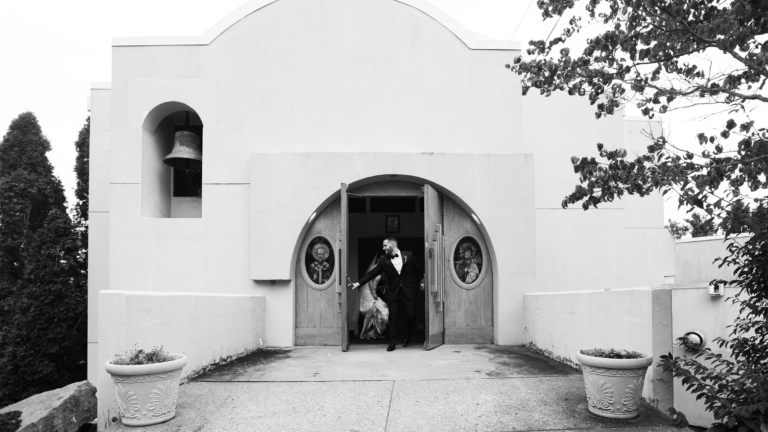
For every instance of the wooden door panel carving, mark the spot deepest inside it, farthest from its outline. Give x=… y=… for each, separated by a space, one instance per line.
x=317 y=319
x=468 y=306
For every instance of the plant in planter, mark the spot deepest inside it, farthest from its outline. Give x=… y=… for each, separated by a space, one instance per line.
x=614 y=381
x=146 y=385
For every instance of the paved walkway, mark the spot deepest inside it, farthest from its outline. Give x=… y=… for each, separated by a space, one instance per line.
x=451 y=388
x=374 y=363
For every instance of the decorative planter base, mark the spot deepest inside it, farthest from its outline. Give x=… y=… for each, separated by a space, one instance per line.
x=147 y=394
x=614 y=386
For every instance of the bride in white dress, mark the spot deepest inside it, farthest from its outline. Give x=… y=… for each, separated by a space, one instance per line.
x=373 y=309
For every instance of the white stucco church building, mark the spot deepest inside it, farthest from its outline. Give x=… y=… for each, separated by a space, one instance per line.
x=323 y=127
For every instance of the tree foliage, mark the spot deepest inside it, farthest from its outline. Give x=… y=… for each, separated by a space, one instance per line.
x=657 y=54
x=696 y=226
x=82 y=147
x=42 y=291
x=701 y=226
x=44 y=345
x=677 y=229
x=81 y=207
x=28 y=192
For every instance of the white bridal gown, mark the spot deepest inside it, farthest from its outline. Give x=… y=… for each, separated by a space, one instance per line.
x=375 y=312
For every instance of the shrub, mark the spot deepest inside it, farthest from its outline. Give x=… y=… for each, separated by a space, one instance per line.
x=735 y=389
x=612 y=354
x=137 y=356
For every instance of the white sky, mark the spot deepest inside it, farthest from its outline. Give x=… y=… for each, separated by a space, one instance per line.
x=52 y=50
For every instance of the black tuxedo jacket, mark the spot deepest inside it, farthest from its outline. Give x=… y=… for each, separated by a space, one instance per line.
x=407 y=280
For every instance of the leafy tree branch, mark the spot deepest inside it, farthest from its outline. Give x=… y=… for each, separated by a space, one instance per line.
x=650 y=53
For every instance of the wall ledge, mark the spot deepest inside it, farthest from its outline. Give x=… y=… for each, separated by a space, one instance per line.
x=594 y=291
x=709 y=238
x=692 y=285
x=178 y=294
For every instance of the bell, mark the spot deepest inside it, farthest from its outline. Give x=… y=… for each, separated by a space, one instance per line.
x=186 y=153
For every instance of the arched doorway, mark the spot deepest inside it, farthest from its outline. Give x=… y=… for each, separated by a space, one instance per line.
x=345 y=238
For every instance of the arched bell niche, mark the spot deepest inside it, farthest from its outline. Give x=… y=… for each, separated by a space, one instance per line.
x=167 y=191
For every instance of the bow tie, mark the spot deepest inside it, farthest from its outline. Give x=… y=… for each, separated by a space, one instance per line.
x=395 y=256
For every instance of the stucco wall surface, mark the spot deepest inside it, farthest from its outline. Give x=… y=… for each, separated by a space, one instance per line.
x=329 y=75
x=98 y=214
x=294 y=76
x=204 y=327
x=643 y=319
x=563 y=323
x=209 y=254
x=623 y=243
x=695 y=310
x=694 y=259
x=336 y=83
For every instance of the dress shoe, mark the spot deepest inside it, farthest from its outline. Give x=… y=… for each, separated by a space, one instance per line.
x=406 y=341
x=391 y=346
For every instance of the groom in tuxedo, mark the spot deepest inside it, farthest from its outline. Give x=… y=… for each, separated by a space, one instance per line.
x=404 y=279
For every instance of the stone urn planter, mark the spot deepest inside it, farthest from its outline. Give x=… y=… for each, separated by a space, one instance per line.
x=147 y=393
x=614 y=385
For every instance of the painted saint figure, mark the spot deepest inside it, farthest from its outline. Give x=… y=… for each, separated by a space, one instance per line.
x=468 y=261
x=320 y=269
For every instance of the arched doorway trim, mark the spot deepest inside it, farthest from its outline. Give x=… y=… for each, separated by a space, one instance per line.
x=406 y=178
x=367 y=181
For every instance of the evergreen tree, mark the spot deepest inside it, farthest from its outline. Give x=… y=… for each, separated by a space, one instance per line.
x=82 y=146
x=45 y=345
x=28 y=192
x=42 y=293
x=82 y=166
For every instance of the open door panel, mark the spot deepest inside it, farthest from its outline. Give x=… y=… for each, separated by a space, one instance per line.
x=342 y=256
x=434 y=260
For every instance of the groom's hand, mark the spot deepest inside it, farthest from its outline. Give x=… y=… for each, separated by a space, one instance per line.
x=354 y=285
x=421 y=285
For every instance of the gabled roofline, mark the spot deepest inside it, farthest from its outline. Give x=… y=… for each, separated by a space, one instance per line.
x=254 y=5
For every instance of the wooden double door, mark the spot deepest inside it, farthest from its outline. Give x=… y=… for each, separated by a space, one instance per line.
x=458 y=295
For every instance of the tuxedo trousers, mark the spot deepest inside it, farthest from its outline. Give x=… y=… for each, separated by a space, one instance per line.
x=402 y=304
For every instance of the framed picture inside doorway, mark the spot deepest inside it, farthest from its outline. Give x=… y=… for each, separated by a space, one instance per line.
x=392 y=223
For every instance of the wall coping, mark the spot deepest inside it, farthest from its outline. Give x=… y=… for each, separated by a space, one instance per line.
x=101 y=86
x=709 y=238
x=595 y=291
x=467 y=37
x=176 y=294
x=702 y=285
